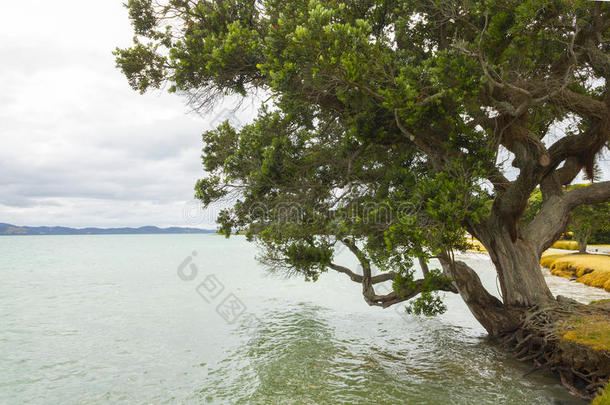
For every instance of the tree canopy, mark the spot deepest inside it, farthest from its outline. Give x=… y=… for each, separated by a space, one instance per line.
x=384 y=126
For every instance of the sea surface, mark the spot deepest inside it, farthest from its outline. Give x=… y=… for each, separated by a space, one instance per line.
x=194 y=319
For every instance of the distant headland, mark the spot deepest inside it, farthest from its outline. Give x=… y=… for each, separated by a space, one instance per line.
x=8 y=229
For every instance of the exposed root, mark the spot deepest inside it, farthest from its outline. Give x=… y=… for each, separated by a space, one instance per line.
x=583 y=369
x=567 y=381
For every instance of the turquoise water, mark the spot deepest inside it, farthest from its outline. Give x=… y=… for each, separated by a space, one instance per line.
x=107 y=319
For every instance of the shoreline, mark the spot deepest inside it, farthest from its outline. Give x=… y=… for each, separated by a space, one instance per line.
x=587 y=268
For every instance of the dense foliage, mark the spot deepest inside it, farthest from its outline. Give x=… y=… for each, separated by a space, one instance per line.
x=600 y=237
x=385 y=120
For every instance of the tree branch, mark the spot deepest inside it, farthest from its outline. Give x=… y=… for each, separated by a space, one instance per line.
x=380 y=278
x=486 y=308
x=367 y=281
x=555 y=213
x=593 y=194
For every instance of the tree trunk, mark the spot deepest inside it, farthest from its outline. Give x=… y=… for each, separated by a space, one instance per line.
x=487 y=309
x=531 y=321
x=517 y=263
x=582 y=245
x=520 y=277
x=583 y=239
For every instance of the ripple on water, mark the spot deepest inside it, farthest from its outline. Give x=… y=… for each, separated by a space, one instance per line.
x=118 y=326
x=295 y=357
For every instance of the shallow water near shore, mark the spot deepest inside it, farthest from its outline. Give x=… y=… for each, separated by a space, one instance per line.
x=140 y=319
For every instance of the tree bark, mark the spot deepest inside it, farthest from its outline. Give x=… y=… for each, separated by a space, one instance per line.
x=582 y=246
x=424 y=266
x=487 y=309
x=583 y=239
x=517 y=263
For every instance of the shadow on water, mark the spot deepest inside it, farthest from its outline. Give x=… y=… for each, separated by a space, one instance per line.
x=302 y=354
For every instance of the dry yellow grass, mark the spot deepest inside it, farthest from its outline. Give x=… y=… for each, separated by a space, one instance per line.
x=593 y=270
x=565 y=244
x=547 y=259
x=477 y=246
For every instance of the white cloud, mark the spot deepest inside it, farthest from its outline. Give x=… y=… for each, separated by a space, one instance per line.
x=80 y=147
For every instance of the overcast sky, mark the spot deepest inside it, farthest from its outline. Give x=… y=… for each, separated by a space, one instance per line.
x=79 y=146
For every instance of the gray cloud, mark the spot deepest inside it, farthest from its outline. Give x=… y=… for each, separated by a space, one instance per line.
x=79 y=147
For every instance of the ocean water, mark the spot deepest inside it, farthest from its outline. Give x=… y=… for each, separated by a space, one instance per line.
x=194 y=319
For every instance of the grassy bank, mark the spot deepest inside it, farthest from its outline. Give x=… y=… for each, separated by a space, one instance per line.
x=593 y=331
x=589 y=269
x=585 y=335
x=573 y=245
x=566 y=245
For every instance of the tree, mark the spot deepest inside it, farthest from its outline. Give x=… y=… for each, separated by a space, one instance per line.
x=587 y=219
x=384 y=130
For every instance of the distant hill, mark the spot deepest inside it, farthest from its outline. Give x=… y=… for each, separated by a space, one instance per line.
x=8 y=229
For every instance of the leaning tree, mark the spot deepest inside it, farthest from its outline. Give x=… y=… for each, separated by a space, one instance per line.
x=384 y=131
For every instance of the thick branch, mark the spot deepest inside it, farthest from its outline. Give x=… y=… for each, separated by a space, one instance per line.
x=581 y=104
x=392 y=298
x=593 y=194
x=486 y=308
x=576 y=145
x=569 y=171
x=554 y=214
